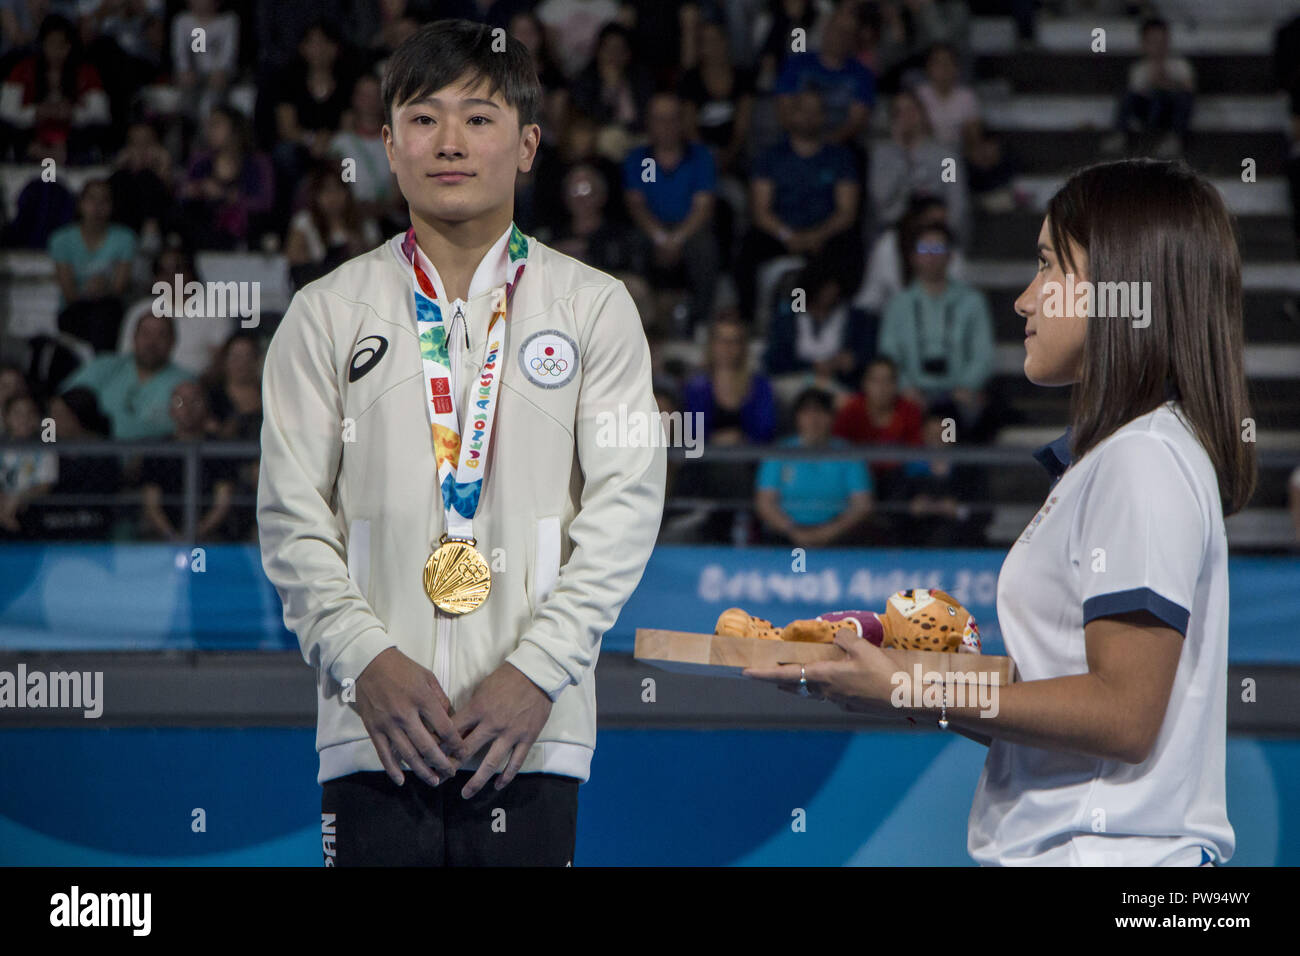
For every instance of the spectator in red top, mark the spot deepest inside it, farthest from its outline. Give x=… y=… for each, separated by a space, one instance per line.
x=55 y=101
x=878 y=415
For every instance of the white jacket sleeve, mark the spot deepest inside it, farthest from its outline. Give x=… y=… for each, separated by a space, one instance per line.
x=618 y=519
x=302 y=542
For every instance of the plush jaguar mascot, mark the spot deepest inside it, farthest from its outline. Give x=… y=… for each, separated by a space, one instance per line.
x=916 y=619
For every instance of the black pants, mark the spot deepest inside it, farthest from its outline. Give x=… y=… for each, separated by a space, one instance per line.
x=367 y=820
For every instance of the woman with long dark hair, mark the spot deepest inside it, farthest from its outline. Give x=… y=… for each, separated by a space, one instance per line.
x=614 y=87
x=229 y=187
x=54 y=100
x=330 y=228
x=1113 y=602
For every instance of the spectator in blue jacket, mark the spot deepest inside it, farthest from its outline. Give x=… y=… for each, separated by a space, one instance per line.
x=804 y=200
x=849 y=88
x=669 y=189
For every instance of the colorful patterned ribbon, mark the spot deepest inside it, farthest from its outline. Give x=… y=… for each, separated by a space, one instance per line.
x=462 y=462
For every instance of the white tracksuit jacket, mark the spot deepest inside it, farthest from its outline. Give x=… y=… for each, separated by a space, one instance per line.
x=349 y=507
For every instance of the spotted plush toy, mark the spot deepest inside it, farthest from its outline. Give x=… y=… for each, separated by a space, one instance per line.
x=916 y=619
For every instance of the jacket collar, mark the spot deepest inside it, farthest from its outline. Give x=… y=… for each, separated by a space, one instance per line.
x=1055 y=455
x=491 y=272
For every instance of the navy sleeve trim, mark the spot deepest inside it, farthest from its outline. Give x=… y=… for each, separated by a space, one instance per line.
x=1137 y=599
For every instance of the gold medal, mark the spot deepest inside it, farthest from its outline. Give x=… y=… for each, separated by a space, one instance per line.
x=456 y=577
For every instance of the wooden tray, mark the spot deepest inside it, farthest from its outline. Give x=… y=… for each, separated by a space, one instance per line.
x=718 y=656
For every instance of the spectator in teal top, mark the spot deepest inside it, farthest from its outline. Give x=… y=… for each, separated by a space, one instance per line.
x=92 y=262
x=135 y=390
x=938 y=330
x=92 y=257
x=807 y=502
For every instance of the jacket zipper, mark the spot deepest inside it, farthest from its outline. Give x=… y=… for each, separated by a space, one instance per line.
x=460 y=314
x=442 y=654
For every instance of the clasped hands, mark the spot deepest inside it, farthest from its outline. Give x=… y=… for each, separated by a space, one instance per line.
x=409 y=718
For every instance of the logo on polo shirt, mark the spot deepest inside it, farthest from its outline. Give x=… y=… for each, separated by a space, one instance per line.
x=369 y=356
x=549 y=358
x=1038 y=519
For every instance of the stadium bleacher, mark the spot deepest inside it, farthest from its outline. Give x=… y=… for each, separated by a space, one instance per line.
x=1050 y=103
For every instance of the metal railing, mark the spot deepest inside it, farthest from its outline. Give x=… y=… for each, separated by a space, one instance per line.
x=193 y=452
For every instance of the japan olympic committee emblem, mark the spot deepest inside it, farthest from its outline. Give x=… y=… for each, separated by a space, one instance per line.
x=549 y=358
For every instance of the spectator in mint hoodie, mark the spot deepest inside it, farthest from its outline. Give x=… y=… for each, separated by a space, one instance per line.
x=938 y=331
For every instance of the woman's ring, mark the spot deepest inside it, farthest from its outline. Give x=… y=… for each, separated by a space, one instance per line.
x=803 y=682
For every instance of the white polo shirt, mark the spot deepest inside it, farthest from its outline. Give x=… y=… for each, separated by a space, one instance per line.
x=1135 y=524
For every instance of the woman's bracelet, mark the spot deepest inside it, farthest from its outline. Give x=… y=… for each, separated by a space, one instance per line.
x=943 y=703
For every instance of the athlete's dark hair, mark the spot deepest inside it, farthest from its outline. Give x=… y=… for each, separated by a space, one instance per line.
x=442 y=52
x=1143 y=220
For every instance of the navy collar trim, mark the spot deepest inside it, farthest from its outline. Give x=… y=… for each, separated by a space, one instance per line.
x=1055 y=455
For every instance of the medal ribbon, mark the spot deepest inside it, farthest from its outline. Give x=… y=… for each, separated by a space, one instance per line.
x=461 y=449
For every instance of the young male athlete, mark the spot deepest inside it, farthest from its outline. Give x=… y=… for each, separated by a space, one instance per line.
x=449 y=538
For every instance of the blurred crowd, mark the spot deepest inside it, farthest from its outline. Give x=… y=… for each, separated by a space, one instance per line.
x=797 y=256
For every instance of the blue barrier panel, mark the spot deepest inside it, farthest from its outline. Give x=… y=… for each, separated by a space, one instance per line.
x=137 y=597
x=141 y=597
x=129 y=796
